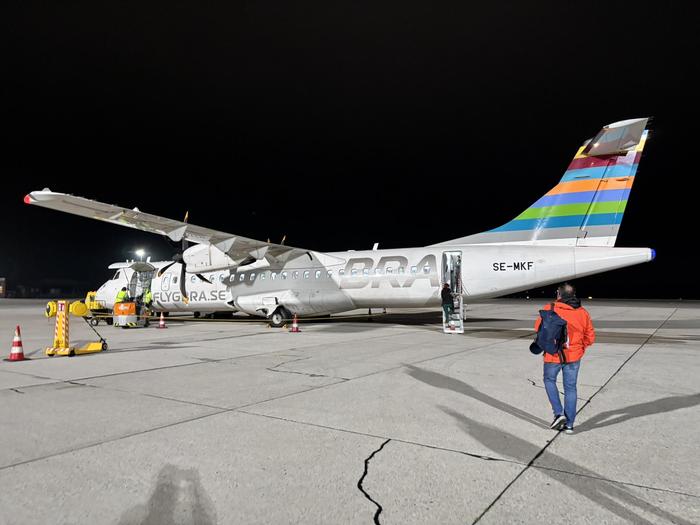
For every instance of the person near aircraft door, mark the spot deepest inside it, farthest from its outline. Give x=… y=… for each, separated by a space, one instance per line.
x=581 y=335
x=122 y=295
x=148 y=298
x=447 y=300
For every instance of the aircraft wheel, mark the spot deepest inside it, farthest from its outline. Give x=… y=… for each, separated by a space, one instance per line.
x=104 y=347
x=280 y=317
x=110 y=321
x=94 y=321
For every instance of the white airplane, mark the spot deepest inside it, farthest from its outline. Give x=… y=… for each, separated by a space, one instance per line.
x=568 y=233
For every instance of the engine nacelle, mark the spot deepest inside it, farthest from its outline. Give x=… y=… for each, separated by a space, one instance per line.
x=202 y=258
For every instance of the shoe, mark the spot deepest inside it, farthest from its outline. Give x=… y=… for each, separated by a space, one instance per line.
x=569 y=430
x=558 y=423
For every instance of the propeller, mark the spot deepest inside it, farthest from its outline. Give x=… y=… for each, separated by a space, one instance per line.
x=177 y=258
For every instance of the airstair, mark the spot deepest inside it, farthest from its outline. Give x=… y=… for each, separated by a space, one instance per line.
x=452 y=275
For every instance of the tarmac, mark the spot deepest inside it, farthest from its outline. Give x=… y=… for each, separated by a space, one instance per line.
x=352 y=420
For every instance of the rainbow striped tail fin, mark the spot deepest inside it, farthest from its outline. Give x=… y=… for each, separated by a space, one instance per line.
x=586 y=207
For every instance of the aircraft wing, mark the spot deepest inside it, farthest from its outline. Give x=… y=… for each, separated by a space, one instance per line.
x=238 y=248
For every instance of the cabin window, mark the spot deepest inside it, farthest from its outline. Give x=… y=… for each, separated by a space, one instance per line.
x=365 y=272
x=353 y=272
x=401 y=270
x=341 y=272
x=330 y=273
x=283 y=275
x=414 y=269
x=222 y=278
x=174 y=279
x=306 y=274
x=242 y=277
x=389 y=270
x=318 y=274
x=295 y=275
x=426 y=269
x=262 y=276
x=252 y=276
x=273 y=275
x=193 y=278
x=377 y=271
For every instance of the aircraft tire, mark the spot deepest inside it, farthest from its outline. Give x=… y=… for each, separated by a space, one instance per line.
x=280 y=317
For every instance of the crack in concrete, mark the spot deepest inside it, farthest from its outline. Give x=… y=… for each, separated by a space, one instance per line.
x=362 y=479
x=17 y=390
x=562 y=393
x=308 y=374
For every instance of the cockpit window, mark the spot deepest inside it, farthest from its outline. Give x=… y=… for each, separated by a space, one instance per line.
x=117 y=275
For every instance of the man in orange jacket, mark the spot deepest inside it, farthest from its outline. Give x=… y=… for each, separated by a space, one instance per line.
x=580 y=336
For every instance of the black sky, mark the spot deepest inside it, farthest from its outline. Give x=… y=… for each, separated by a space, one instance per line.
x=339 y=124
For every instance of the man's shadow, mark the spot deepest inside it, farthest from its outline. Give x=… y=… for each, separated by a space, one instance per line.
x=610 y=495
x=178 y=498
x=439 y=380
x=614 y=417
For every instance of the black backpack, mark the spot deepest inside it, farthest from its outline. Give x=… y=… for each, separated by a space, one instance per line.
x=551 y=336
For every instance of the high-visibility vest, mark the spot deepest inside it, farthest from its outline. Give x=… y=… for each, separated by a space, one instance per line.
x=122 y=296
x=148 y=297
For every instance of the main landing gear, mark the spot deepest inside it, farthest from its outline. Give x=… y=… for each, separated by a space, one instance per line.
x=280 y=317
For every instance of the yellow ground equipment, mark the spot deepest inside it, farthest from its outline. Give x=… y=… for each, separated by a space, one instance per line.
x=131 y=315
x=98 y=310
x=61 y=338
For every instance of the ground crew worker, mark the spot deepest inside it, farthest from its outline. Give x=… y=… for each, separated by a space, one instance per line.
x=447 y=301
x=148 y=298
x=581 y=335
x=122 y=296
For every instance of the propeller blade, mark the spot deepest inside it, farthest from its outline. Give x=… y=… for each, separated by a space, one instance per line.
x=165 y=268
x=185 y=244
x=203 y=278
x=284 y=238
x=183 y=289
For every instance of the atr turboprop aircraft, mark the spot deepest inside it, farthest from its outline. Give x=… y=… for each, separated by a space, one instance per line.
x=568 y=233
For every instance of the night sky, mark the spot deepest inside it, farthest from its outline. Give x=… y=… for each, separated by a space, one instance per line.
x=339 y=124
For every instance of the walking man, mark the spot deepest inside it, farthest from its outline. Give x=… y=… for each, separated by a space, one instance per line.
x=580 y=336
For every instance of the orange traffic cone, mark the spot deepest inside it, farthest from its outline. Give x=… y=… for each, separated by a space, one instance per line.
x=17 y=352
x=295 y=326
x=161 y=323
